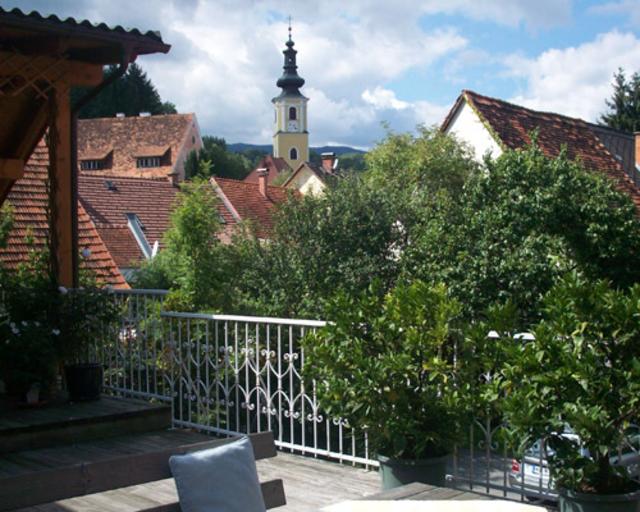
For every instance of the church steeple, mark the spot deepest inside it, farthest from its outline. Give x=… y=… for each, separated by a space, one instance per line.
x=290 y=82
x=290 y=135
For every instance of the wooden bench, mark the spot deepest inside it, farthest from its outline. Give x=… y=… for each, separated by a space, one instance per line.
x=43 y=476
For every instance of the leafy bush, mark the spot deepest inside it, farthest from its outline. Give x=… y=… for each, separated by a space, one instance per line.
x=386 y=365
x=582 y=372
x=43 y=326
x=519 y=226
x=191 y=264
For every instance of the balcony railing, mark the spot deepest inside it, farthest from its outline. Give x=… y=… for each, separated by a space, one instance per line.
x=225 y=374
x=230 y=374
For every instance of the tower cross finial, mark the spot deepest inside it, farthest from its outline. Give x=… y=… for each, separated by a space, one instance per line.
x=289 y=27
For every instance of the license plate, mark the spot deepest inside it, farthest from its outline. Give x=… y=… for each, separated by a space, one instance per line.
x=533 y=469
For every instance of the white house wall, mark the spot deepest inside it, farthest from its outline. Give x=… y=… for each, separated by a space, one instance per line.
x=306 y=182
x=468 y=127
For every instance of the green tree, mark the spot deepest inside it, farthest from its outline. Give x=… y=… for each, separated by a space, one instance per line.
x=520 y=225
x=581 y=371
x=321 y=244
x=6 y=222
x=191 y=263
x=352 y=162
x=220 y=161
x=130 y=94
x=624 y=104
x=430 y=160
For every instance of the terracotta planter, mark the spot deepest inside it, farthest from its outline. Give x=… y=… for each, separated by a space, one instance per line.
x=397 y=472
x=570 y=501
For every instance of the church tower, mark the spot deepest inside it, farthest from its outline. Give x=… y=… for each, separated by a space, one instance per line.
x=290 y=135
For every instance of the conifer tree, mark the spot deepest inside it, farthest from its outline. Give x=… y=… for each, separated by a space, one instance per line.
x=130 y=94
x=624 y=104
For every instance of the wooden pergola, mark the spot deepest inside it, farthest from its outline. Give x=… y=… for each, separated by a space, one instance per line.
x=41 y=59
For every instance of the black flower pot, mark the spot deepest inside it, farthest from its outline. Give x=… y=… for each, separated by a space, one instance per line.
x=398 y=472
x=84 y=381
x=570 y=501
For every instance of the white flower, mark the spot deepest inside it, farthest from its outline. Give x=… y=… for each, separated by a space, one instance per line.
x=55 y=332
x=15 y=330
x=63 y=290
x=24 y=323
x=37 y=323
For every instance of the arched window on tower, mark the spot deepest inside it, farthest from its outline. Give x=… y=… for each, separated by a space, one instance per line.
x=293 y=154
x=292 y=113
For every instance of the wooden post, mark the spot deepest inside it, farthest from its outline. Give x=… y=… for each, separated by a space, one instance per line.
x=62 y=189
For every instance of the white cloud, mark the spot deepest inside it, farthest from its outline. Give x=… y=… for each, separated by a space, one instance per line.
x=538 y=14
x=226 y=56
x=381 y=98
x=575 y=81
x=630 y=9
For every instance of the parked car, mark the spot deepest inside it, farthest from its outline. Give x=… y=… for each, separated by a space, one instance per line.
x=530 y=475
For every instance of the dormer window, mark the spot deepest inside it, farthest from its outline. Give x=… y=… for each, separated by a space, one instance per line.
x=96 y=160
x=91 y=165
x=152 y=156
x=148 y=161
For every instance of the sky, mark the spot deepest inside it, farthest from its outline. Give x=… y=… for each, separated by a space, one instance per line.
x=373 y=63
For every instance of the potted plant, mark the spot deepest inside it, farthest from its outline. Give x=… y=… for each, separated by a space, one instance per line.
x=84 y=315
x=27 y=340
x=385 y=363
x=581 y=374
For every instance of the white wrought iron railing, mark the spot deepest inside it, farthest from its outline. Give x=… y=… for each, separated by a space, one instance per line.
x=226 y=374
x=230 y=374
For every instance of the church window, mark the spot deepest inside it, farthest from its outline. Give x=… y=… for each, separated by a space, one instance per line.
x=293 y=154
x=292 y=113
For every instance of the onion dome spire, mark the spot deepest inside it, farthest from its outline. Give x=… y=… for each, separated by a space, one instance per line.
x=290 y=82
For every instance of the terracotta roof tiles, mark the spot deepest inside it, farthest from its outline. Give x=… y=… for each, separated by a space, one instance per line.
x=512 y=125
x=29 y=199
x=108 y=199
x=134 y=137
x=275 y=165
x=246 y=199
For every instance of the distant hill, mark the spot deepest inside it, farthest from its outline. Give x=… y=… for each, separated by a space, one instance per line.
x=241 y=147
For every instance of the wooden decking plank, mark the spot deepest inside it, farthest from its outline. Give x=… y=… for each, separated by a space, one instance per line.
x=402 y=493
x=109 y=466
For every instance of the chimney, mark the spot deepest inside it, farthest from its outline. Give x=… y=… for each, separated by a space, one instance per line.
x=174 y=178
x=144 y=114
x=328 y=161
x=120 y=115
x=263 y=173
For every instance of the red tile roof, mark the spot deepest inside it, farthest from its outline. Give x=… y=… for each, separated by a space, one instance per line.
x=275 y=165
x=512 y=124
x=29 y=200
x=316 y=169
x=151 y=199
x=133 y=137
x=246 y=201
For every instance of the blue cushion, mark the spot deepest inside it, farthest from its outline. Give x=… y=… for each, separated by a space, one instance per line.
x=221 y=479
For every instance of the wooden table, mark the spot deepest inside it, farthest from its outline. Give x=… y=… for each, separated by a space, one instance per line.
x=423 y=492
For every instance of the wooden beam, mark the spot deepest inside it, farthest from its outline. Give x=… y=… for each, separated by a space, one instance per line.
x=62 y=193
x=11 y=168
x=49 y=68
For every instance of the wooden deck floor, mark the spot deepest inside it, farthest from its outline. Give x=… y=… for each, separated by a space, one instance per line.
x=309 y=484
